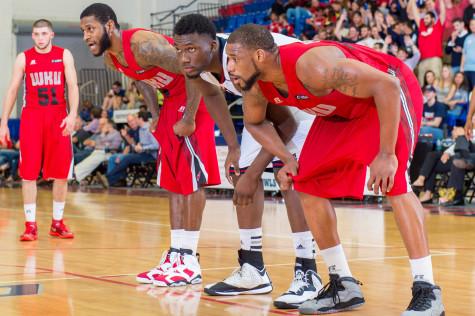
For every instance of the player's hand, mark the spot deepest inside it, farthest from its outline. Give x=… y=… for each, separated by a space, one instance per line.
x=284 y=177
x=184 y=127
x=245 y=189
x=4 y=134
x=68 y=124
x=232 y=159
x=138 y=148
x=468 y=129
x=382 y=172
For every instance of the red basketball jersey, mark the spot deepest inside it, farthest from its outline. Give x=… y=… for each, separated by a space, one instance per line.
x=44 y=78
x=156 y=77
x=334 y=103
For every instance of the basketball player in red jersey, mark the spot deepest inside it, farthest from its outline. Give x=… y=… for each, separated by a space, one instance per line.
x=45 y=125
x=368 y=108
x=187 y=164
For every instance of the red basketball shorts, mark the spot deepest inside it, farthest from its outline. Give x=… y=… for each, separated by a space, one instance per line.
x=337 y=152
x=186 y=163
x=42 y=145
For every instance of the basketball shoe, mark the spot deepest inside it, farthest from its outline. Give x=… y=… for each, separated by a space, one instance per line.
x=59 y=229
x=426 y=300
x=169 y=258
x=247 y=279
x=340 y=294
x=304 y=287
x=186 y=271
x=31 y=232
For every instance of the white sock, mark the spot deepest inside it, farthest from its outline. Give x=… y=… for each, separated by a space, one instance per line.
x=304 y=245
x=422 y=269
x=190 y=240
x=251 y=239
x=176 y=238
x=30 y=212
x=58 y=210
x=335 y=260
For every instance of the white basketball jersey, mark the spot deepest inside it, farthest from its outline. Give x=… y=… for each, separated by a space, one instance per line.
x=227 y=84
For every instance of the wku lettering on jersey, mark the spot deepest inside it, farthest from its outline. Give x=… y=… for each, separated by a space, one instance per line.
x=159 y=81
x=46 y=78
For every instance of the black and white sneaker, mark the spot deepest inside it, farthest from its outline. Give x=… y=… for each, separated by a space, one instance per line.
x=246 y=279
x=304 y=287
x=426 y=300
x=340 y=294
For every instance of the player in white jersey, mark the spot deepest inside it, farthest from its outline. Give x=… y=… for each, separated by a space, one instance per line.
x=201 y=55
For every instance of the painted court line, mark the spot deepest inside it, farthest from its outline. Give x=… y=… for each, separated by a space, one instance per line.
x=102 y=277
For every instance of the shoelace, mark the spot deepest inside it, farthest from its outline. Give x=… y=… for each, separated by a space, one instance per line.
x=297 y=283
x=421 y=299
x=331 y=290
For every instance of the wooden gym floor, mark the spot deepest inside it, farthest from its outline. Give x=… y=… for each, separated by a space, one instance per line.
x=120 y=234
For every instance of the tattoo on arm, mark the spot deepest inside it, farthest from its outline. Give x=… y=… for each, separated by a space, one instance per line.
x=153 y=52
x=338 y=78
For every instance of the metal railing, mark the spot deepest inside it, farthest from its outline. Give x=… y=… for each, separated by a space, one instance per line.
x=95 y=83
x=164 y=21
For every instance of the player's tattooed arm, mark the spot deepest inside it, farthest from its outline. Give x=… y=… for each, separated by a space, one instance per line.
x=152 y=50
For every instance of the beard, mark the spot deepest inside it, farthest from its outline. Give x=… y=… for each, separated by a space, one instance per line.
x=252 y=79
x=104 y=43
x=193 y=76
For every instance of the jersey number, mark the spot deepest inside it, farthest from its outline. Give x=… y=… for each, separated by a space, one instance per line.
x=46 y=98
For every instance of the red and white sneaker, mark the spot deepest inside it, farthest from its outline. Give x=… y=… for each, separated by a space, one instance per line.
x=187 y=271
x=169 y=258
x=59 y=229
x=31 y=232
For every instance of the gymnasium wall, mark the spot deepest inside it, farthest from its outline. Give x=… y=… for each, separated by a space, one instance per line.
x=134 y=13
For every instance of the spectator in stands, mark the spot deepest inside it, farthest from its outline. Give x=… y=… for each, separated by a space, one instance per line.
x=430 y=39
x=93 y=126
x=366 y=39
x=433 y=115
x=468 y=56
x=434 y=163
x=454 y=46
x=86 y=108
x=444 y=84
x=321 y=36
x=353 y=32
x=143 y=108
x=275 y=25
x=278 y=7
x=429 y=78
x=79 y=135
x=88 y=142
x=464 y=159
x=458 y=95
x=410 y=58
x=9 y=158
x=114 y=98
x=294 y=21
x=130 y=136
x=104 y=144
x=469 y=13
x=144 y=151
x=133 y=98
